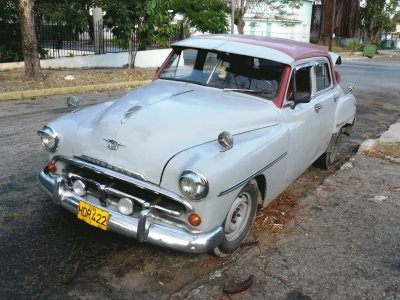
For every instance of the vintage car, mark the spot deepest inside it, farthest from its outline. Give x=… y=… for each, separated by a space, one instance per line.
x=228 y=122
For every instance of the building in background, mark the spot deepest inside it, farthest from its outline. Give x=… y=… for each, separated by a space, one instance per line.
x=294 y=24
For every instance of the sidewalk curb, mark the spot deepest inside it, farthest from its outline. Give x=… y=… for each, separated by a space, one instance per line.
x=20 y=95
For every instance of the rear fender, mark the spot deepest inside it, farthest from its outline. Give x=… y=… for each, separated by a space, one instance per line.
x=345 y=110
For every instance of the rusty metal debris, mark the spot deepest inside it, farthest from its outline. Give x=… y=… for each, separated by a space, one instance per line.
x=69 y=277
x=240 y=287
x=252 y=243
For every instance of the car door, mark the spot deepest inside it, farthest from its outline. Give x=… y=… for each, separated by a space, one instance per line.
x=325 y=100
x=302 y=120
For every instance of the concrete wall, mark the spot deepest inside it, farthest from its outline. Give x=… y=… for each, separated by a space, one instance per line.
x=144 y=59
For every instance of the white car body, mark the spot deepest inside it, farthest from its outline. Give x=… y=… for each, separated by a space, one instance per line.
x=138 y=147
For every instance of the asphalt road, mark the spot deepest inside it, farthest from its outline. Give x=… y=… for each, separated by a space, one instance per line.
x=47 y=253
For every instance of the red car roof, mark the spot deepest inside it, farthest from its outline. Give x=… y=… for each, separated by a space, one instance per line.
x=294 y=49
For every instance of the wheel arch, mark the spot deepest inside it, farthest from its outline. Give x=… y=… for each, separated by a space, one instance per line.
x=262 y=188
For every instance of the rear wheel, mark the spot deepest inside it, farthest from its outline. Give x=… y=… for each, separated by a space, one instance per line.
x=239 y=219
x=327 y=160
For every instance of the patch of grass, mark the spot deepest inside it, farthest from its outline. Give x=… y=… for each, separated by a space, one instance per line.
x=386 y=150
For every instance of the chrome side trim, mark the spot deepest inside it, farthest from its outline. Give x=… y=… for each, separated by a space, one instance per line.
x=244 y=181
x=139 y=183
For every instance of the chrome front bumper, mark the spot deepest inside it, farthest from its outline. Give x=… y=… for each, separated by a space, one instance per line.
x=142 y=228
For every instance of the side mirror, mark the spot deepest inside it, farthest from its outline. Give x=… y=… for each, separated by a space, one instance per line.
x=300 y=97
x=350 y=87
x=73 y=101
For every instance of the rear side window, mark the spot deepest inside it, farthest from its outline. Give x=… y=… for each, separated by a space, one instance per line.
x=322 y=76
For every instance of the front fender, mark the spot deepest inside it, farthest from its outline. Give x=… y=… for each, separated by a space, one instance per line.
x=67 y=125
x=254 y=152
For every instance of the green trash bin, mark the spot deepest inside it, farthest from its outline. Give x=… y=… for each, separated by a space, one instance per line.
x=369 y=50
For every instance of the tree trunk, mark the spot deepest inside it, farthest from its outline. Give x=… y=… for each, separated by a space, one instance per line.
x=89 y=19
x=133 y=48
x=29 y=40
x=240 y=25
x=240 y=11
x=343 y=18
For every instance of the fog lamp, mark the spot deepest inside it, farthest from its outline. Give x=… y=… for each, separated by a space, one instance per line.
x=194 y=219
x=79 y=187
x=125 y=206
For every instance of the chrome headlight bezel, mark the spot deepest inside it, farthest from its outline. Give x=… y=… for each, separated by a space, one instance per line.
x=193 y=185
x=50 y=138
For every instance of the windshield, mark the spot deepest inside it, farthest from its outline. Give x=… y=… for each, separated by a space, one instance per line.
x=227 y=71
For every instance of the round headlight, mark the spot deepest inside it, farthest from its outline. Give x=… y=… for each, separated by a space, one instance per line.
x=193 y=185
x=49 y=138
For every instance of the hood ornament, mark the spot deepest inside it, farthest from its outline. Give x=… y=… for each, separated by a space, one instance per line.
x=113 y=145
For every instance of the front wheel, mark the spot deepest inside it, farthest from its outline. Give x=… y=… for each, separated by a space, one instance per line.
x=239 y=219
x=328 y=159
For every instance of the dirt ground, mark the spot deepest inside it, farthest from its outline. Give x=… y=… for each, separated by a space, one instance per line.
x=14 y=80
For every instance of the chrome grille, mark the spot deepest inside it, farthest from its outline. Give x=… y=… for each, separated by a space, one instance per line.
x=115 y=168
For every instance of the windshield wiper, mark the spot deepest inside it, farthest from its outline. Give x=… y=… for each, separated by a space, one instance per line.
x=265 y=91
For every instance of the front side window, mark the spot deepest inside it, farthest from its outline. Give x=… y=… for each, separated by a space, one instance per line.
x=322 y=76
x=300 y=83
x=231 y=72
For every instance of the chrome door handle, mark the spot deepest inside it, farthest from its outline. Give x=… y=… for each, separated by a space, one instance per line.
x=317 y=107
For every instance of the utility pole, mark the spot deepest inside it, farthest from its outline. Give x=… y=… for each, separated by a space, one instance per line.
x=333 y=25
x=233 y=16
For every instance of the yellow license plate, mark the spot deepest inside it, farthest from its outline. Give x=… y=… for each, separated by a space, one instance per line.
x=92 y=215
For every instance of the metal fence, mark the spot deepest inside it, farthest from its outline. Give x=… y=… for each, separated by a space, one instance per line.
x=64 y=41
x=390 y=41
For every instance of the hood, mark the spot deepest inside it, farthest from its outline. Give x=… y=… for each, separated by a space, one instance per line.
x=155 y=122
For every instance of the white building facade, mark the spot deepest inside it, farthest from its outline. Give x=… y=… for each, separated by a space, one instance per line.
x=295 y=24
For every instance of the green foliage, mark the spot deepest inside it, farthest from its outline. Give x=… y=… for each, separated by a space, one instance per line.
x=71 y=13
x=396 y=19
x=10 y=33
x=149 y=17
x=376 y=16
x=206 y=15
x=153 y=20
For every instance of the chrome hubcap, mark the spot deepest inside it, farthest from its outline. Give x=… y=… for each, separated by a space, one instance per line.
x=238 y=216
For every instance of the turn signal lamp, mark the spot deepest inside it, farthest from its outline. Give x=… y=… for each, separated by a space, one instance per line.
x=51 y=167
x=194 y=219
